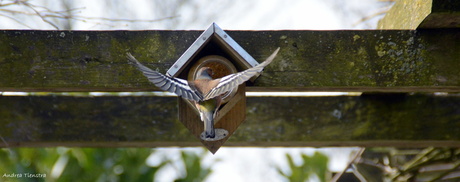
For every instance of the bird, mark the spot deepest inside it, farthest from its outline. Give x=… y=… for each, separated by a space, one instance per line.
x=205 y=92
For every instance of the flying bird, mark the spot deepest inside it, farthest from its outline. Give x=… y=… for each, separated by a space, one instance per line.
x=205 y=92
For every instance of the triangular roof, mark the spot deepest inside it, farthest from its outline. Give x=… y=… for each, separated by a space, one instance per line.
x=215 y=33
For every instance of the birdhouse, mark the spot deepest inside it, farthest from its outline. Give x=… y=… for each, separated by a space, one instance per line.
x=214 y=48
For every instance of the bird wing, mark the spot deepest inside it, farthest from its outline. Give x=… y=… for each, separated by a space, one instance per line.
x=231 y=81
x=175 y=85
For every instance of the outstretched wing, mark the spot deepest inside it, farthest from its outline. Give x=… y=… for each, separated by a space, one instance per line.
x=175 y=85
x=231 y=81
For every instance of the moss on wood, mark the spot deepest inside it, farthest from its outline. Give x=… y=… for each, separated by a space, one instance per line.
x=308 y=60
x=397 y=119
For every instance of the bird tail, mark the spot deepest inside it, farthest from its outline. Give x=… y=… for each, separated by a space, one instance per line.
x=208 y=119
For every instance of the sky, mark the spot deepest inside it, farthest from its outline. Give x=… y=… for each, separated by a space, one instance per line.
x=199 y=14
x=229 y=163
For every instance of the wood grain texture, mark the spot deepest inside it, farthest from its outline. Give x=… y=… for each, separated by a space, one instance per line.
x=370 y=120
x=370 y=60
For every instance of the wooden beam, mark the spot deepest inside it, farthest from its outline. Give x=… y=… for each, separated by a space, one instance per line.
x=371 y=60
x=420 y=14
x=406 y=120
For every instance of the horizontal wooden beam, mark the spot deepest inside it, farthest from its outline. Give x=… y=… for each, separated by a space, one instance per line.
x=368 y=120
x=421 y=14
x=371 y=60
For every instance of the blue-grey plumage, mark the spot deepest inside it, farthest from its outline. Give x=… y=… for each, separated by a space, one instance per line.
x=204 y=91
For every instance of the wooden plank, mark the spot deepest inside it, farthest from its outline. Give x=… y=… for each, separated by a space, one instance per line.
x=419 y=14
x=369 y=120
x=371 y=60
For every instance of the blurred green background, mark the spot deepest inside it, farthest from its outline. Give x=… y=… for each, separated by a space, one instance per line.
x=126 y=164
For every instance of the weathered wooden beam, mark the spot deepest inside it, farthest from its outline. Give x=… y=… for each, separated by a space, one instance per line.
x=419 y=14
x=368 y=120
x=371 y=60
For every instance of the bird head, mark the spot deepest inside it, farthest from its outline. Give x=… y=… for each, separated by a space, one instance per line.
x=204 y=73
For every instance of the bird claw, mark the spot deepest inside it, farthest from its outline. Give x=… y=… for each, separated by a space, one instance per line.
x=219 y=135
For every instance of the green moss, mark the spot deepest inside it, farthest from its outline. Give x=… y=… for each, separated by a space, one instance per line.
x=82 y=60
x=54 y=59
x=401 y=61
x=300 y=120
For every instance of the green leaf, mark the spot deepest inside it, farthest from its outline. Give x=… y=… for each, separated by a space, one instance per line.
x=312 y=165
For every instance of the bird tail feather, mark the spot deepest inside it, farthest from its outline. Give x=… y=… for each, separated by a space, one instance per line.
x=208 y=119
